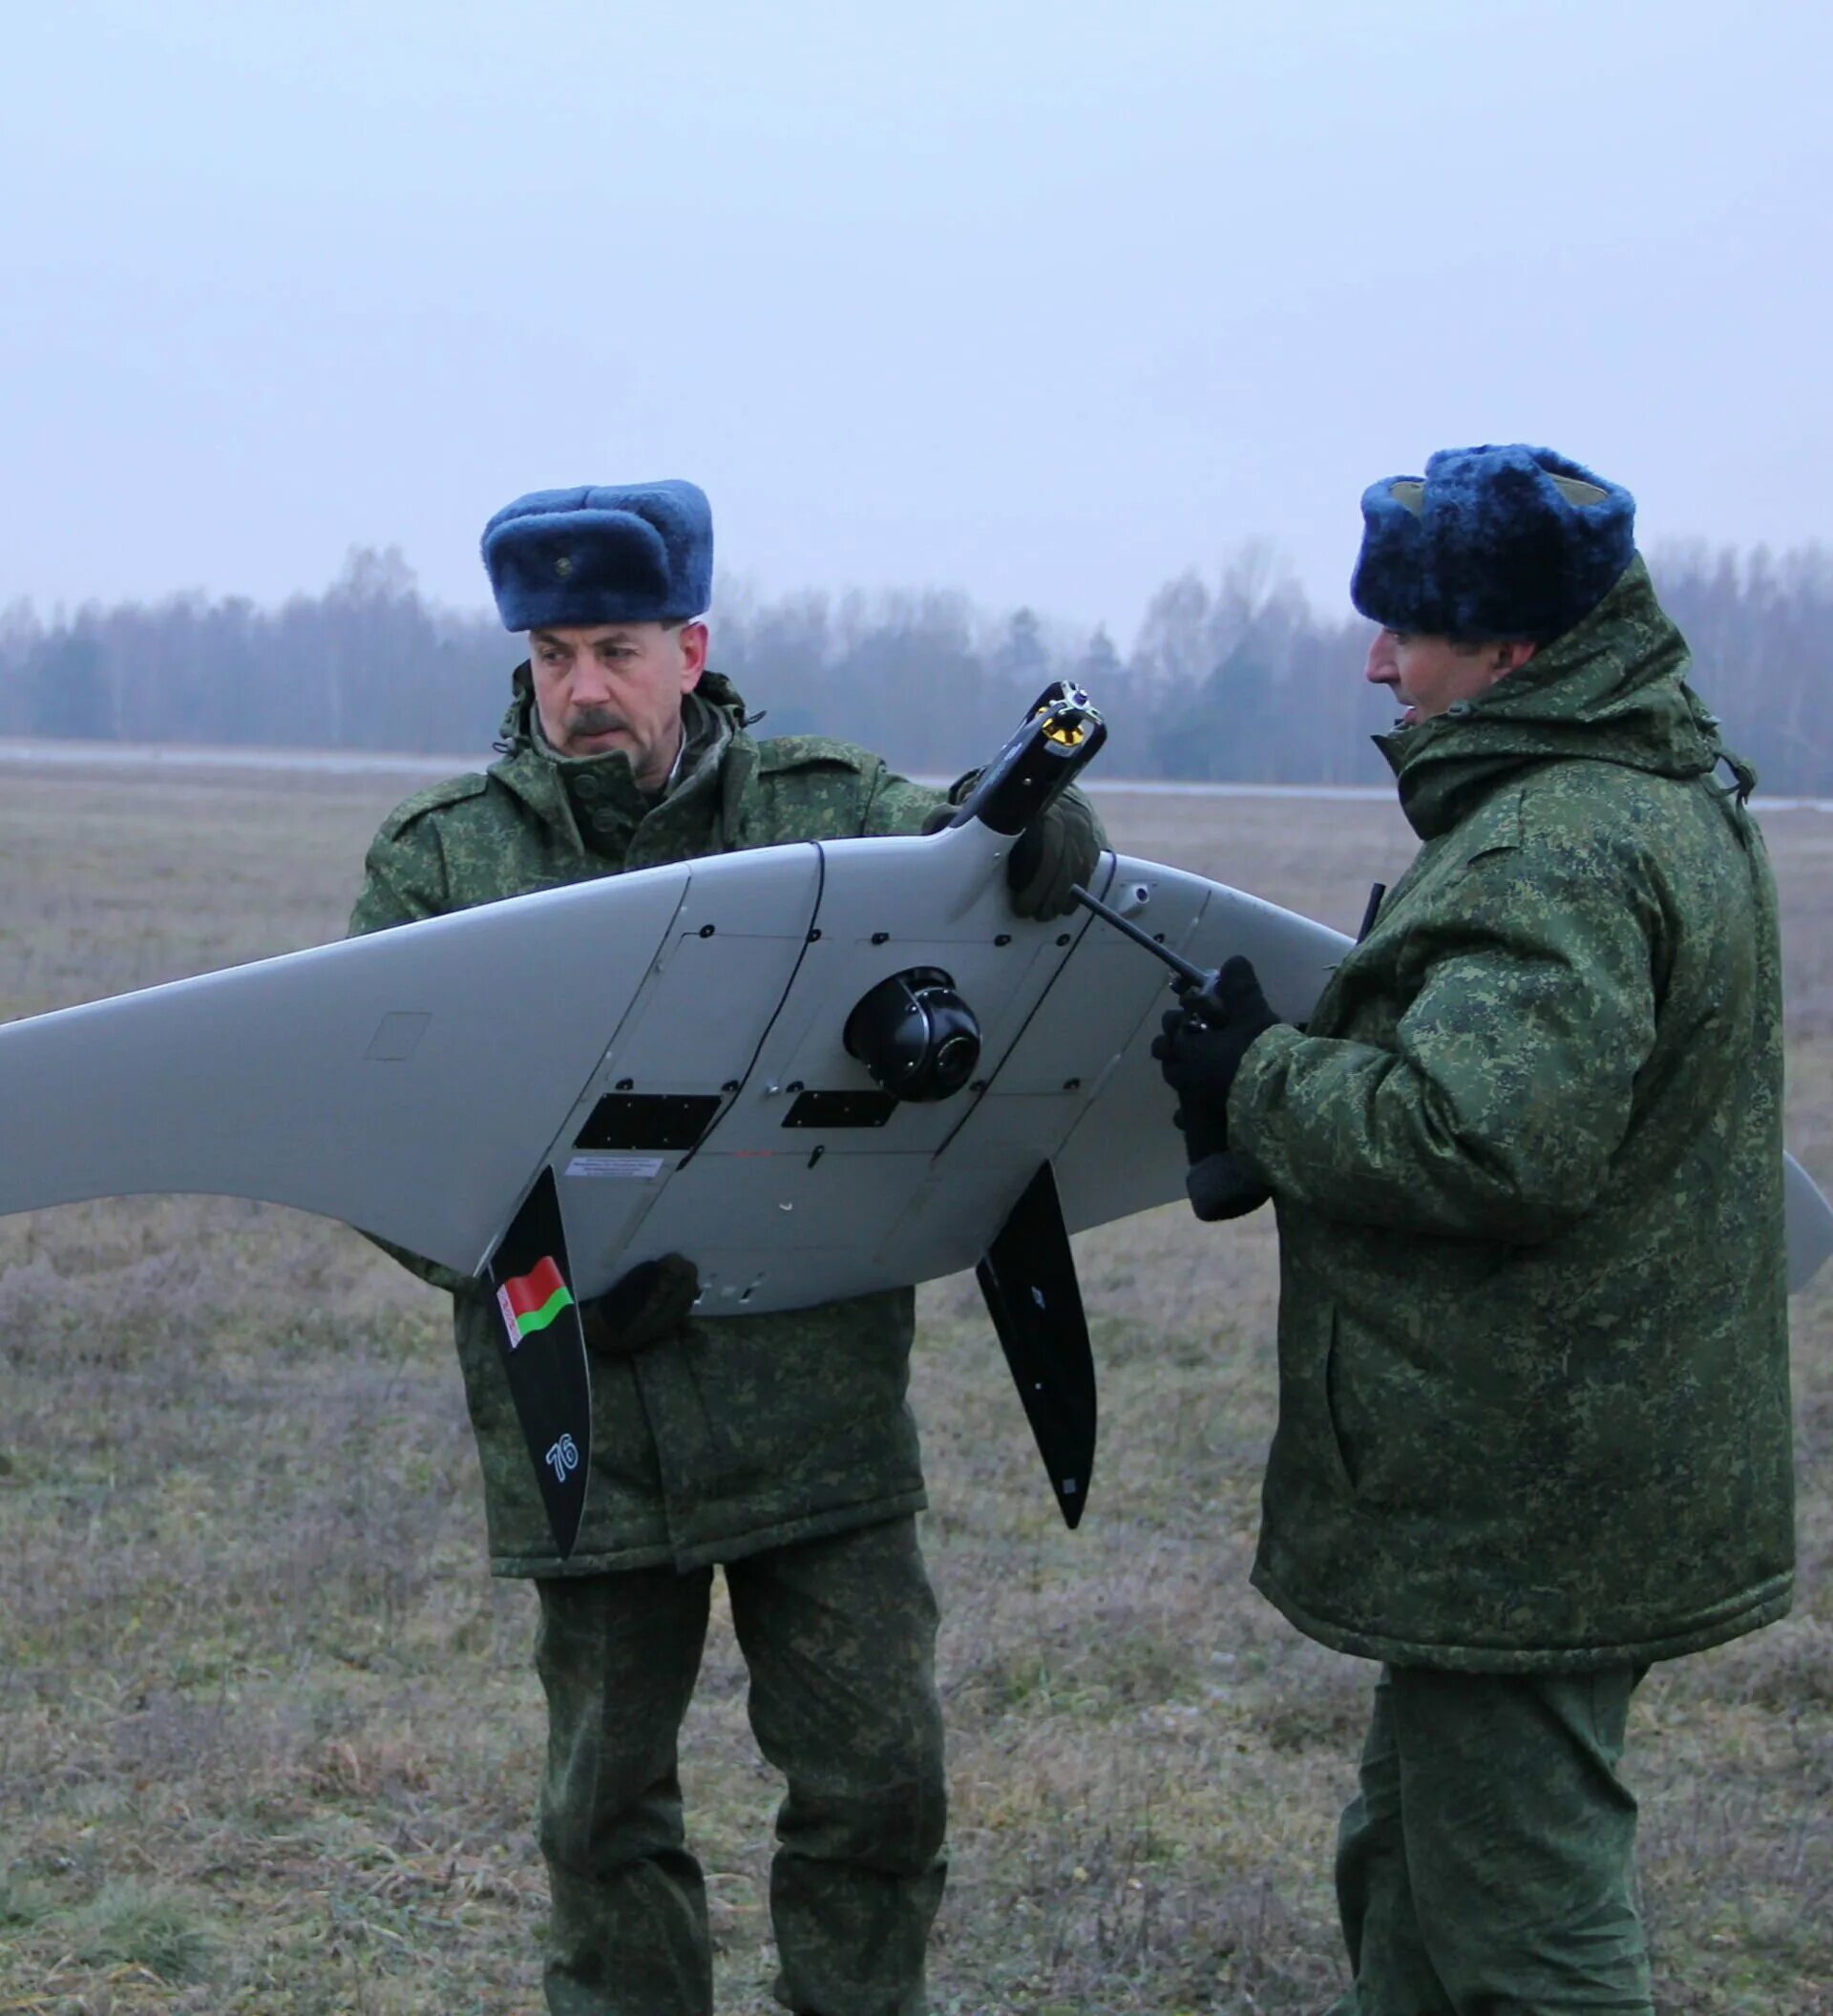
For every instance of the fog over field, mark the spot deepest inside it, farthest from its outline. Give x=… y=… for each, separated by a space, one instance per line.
x=1231 y=678
x=269 y=1737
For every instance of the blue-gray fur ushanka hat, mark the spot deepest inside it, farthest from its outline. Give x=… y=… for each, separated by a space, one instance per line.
x=1512 y=542
x=628 y=552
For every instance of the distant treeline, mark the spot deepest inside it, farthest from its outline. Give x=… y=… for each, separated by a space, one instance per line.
x=1234 y=677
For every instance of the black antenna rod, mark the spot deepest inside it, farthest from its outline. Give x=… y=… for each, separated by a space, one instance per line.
x=1190 y=976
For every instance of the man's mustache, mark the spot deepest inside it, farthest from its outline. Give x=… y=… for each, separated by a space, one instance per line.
x=596 y=720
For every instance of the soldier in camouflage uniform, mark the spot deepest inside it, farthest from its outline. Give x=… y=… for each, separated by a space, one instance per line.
x=779 y=1446
x=1527 y=1158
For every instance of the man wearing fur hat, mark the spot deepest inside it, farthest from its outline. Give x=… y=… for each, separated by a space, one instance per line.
x=1527 y=1159
x=778 y=1446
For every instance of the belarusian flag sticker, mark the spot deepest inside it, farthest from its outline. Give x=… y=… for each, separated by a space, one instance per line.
x=529 y=1302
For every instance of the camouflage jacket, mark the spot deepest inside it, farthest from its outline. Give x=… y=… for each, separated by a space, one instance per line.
x=1527 y=1160
x=739 y=1434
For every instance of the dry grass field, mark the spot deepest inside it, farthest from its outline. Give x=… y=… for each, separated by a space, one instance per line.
x=269 y=1736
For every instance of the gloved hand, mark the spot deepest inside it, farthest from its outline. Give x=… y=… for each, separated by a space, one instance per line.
x=1054 y=852
x=1051 y=856
x=650 y=1303
x=1199 y=1058
x=1225 y=1186
x=1205 y=1131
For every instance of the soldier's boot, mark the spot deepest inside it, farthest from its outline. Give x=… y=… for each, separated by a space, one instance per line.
x=839 y=1635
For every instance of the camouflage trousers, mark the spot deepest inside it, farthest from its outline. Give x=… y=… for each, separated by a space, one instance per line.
x=839 y=1636
x=1484 y=1867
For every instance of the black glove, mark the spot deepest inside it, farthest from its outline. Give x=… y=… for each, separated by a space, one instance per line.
x=1205 y=1131
x=1058 y=849
x=650 y=1303
x=1225 y=1186
x=1200 y=1057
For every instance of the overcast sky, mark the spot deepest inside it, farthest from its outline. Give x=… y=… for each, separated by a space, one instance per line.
x=1044 y=301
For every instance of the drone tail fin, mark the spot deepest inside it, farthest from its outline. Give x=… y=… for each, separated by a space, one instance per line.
x=544 y=1348
x=1028 y=1277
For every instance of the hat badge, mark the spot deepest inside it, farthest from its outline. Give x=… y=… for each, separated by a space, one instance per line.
x=563 y=566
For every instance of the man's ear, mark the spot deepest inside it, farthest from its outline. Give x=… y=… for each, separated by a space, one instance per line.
x=693 y=655
x=1511 y=657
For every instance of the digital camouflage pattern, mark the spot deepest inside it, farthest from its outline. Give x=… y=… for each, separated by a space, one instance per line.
x=839 y=1636
x=735 y=1434
x=1527 y=1159
x=1487 y=1863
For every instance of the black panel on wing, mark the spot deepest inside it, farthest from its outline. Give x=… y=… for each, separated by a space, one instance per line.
x=543 y=1347
x=648 y=1120
x=841 y=1109
x=1028 y=1277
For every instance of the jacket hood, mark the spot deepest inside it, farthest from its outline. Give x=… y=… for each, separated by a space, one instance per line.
x=1611 y=690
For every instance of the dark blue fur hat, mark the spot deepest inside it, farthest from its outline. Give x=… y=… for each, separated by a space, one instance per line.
x=629 y=552
x=1512 y=542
